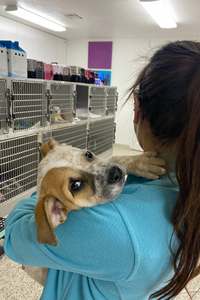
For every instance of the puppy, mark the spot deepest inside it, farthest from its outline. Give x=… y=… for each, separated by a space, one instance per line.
x=70 y=178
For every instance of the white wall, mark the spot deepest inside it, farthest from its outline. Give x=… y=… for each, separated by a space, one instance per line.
x=125 y=66
x=38 y=44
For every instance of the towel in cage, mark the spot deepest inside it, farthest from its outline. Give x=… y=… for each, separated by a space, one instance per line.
x=26 y=124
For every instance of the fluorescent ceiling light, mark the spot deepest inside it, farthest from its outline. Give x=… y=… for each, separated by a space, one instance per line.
x=31 y=17
x=160 y=12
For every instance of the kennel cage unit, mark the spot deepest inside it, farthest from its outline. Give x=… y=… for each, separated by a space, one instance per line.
x=72 y=134
x=27 y=103
x=61 y=102
x=19 y=159
x=101 y=134
x=98 y=105
x=95 y=102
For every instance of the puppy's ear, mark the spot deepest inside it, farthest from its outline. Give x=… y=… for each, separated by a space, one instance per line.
x=48 y=146
x=49 y=213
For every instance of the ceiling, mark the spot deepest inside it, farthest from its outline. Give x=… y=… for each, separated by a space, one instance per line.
x=110 y=19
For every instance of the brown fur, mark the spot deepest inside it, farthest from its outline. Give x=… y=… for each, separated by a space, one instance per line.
x=55 y=190
x=56 y=185
x=48 y=146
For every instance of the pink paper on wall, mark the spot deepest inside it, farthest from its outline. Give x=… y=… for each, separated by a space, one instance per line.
x=100 y=55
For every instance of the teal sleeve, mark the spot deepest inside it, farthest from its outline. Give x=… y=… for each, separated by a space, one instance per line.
x=93 y=242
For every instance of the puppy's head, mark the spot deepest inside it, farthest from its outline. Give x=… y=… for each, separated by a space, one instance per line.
x=69 y=179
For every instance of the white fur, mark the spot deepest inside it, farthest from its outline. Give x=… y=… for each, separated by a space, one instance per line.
x=64 y=156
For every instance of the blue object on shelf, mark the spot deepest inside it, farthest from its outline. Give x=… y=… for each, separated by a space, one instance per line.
x=11 y=45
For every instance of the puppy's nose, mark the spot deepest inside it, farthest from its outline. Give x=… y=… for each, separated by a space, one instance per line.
x=115 y=175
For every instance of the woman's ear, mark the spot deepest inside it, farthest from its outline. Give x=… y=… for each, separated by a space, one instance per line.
x=136 y=110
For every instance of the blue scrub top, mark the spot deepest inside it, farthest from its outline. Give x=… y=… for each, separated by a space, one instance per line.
x=118 y=250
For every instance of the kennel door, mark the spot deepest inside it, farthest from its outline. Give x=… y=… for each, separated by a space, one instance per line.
x=61 y=102
x=75 y=135
x=19 y=159
x=111 y=101
x=97 y=104
x=3 y=107
x=29 y=104
x=82 y=101
x=101 y=135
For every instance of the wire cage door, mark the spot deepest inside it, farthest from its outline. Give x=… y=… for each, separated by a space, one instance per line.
x=61 y=103
x=111 y=101
x=3 y=108
x=29 y=104
x=75 y=135
x=97 y=101
x=101 y=135
x=19 y=159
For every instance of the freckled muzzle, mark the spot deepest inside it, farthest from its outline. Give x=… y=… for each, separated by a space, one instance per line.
x=110 y=182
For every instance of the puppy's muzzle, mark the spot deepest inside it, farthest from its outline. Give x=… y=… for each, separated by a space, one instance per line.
x=115 y=175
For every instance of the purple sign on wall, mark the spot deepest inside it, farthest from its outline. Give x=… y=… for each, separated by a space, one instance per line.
x=100 y=55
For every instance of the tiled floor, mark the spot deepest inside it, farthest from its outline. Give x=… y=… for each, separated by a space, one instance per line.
x=16 y=285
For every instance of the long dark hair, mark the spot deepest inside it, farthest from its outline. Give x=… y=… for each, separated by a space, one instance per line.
x=169 y=92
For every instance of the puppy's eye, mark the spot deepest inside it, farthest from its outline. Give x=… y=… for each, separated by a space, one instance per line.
x=75 y=186
x=88 y=154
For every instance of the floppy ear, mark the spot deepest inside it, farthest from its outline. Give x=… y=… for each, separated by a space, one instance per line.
x=50 y=145
x=49 y=213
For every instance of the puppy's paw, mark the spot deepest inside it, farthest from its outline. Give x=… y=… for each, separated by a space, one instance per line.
x=147 y=165
x=39 y=274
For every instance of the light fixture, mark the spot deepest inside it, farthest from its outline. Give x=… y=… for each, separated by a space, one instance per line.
x=160 y=12
x=29 y=16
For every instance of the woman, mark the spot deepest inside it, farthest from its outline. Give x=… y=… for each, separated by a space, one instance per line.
x=145 y=244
